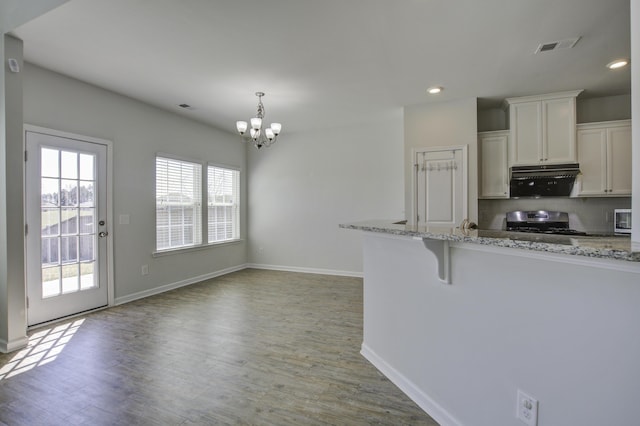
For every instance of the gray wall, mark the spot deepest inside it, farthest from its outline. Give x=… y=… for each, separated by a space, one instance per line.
x=138 y=132
x=441 y=124
x=605 y=108
x=304 y=186
x=588 y=110
x=14 y=13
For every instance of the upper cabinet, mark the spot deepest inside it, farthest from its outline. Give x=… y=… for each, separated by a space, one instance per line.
x=493 y=181
x=604 y=154
x=543 y=129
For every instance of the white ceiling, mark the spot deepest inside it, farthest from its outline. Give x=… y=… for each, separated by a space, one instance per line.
x=328 y=62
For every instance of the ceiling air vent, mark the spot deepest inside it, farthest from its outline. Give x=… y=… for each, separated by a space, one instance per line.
x=557 y=45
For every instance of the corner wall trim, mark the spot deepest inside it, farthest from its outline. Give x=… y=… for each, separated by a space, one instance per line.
x=13 y=345
x=305 y=270
x=423 y=400
x=172 y=286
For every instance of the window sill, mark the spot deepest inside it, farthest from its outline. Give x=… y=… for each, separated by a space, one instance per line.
x=182 y=250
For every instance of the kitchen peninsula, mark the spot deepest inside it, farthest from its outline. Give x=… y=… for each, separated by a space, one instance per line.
x=462 y=320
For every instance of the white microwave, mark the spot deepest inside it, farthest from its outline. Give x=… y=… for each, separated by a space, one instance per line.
x=622 y=221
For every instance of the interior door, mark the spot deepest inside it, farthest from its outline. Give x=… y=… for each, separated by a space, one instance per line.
x=441 y=191
x=66 y=211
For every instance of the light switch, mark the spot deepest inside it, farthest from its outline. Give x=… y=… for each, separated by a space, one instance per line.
x=124 y=219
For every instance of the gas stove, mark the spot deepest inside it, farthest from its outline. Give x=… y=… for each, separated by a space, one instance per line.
x=541 y=222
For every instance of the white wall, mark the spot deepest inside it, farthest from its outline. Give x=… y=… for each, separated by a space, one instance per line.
x=442 y=124
x=635 y=111
x=305 y=185
x=138 y=132
x=512 y=319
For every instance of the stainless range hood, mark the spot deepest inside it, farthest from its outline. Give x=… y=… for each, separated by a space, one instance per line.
x=549 y=180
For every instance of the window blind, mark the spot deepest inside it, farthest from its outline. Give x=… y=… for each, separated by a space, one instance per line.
x=223 y=210
x=178 y=203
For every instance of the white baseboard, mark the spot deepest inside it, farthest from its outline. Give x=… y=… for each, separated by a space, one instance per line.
x=193 y=280
x=172 y=286
x=423 y=400
x=13 y=345
x=305 y=270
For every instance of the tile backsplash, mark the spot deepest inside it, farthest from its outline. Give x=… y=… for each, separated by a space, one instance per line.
x=592 y=215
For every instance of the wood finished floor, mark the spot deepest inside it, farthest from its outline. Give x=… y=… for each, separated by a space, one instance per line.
x=253 y=347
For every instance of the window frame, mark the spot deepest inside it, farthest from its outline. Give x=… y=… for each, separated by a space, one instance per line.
x=204 y=206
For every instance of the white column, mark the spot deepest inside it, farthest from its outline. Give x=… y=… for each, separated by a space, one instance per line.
x=13 y=321
x=635 y=119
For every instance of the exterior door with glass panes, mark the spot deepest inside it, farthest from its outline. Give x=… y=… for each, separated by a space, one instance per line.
x=66 y=213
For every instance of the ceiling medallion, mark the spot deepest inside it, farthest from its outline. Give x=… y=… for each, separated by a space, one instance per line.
x=259 y=136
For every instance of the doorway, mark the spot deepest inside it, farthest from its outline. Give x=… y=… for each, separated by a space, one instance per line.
x=67 y=224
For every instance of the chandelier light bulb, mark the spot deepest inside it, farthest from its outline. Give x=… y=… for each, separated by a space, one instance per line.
x=241 y=126
x=256 y=123
x=255 y=134
x=276 y=127
x=268 y=132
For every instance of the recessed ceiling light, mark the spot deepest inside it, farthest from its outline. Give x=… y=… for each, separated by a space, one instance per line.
x=434 y=90
x=618 y=63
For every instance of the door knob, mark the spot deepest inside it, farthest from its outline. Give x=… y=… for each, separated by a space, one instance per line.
x=103 y=234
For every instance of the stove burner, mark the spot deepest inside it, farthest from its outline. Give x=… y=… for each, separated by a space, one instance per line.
x=541 y=222
x=555 y=231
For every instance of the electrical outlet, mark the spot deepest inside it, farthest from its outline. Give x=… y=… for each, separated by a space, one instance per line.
x=527 y=409
x=145 y=269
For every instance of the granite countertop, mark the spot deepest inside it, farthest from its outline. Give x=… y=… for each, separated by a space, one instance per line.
x=604 y=246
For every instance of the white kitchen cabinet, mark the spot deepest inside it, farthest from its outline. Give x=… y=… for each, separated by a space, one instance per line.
x=542 y=129
x=494 y=170
x=604 y=154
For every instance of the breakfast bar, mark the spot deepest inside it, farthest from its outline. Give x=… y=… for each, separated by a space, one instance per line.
x=461 y=320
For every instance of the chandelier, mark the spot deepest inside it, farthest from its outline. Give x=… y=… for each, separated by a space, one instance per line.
x=260 y=137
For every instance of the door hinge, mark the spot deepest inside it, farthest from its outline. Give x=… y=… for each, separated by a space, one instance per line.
x=27 y=303
x=25 y=155
x=26 y=229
